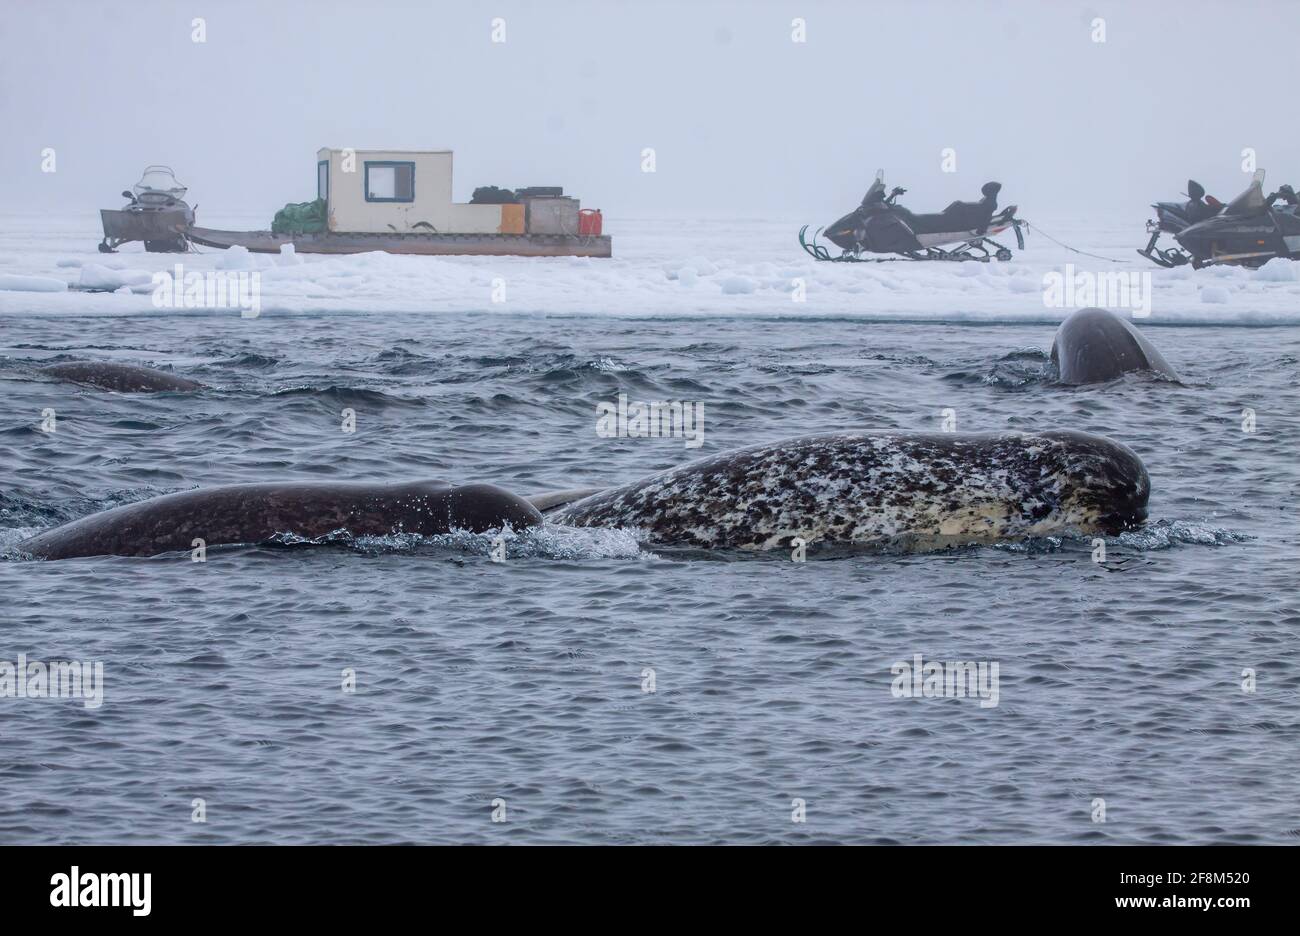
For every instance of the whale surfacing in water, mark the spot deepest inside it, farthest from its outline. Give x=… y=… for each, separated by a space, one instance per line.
x=849 y=488
x=255 y=513
x=880 y=486
x=122 y=378
x=1094 y=345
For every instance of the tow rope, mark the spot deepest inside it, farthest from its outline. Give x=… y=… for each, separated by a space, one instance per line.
x=1068 y=247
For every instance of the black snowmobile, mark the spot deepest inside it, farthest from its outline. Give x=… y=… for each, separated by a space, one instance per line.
x=1173 y=217
x=880 y=225
x=1250 y=231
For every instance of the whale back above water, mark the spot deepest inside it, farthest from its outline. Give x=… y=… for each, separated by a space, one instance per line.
x=553 y=499
x=122 y=378
x=845 y=488
x=877 y=486
x=1095 y=345
x=257 y=513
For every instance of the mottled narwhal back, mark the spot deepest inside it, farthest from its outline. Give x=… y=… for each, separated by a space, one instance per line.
x=871 y=487
x=1094 y=345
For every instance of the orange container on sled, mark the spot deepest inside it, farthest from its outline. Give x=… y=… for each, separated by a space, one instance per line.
x=589 y=222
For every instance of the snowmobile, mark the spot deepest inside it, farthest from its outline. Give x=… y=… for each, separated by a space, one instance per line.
x=1249 y=232
x=1174 y=217
x=155 y=213
x=962 y=231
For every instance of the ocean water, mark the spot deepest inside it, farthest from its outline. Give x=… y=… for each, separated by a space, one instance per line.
x=520 y=688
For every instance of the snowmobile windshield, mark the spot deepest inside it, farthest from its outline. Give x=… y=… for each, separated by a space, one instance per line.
x=159 y=180
x=877 y=191
x=1251 y=201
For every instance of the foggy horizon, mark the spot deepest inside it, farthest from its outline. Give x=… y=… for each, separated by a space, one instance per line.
x=744 y=121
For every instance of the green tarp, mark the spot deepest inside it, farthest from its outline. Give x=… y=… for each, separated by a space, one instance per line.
x=492 y=195
x=302 y=218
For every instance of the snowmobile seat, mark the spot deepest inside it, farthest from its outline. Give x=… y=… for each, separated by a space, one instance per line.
x=1195 y=209
x=973 y=216
x=1198 y=210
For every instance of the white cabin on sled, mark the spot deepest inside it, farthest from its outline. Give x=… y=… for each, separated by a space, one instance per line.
x=402 y=192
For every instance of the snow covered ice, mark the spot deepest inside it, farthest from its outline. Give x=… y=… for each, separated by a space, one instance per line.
x=661 y=267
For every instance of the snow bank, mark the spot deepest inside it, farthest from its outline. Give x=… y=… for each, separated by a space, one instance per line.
x=17 y=283
x=235 y=258
x=737 y=285
x=94 y=276
x=660 y=269
x=1276 y=271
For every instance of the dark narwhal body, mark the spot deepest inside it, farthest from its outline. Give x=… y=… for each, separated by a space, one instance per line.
x=839 y=488
x=1094 y=345
x=254 y=513
x=122 y=378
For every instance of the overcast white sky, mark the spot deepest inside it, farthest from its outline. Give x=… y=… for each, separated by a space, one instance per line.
x=744 y=121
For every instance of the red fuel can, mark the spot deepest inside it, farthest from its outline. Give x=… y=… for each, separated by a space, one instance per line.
x=589 y=222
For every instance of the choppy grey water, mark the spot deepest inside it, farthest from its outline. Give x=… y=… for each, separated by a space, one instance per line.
x=524 y=681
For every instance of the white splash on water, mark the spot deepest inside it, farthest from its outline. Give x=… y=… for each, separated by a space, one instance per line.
x=549 y=541
x=1165 y=534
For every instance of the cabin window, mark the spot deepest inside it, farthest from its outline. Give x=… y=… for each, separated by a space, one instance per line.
x=323 y=180
x=390 y=181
